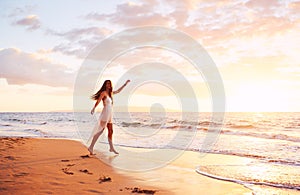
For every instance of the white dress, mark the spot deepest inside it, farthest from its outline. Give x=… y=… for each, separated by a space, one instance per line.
x=106 y=114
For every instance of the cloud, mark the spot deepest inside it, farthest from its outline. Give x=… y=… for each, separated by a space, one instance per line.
x=22 y=10
x=80 y=33
x=211 y=21
x=133 y=14
x=215 y=24
x=294 y=10
x=21 y=68
x=262 y=4
x=32 y=22
x=79 y=41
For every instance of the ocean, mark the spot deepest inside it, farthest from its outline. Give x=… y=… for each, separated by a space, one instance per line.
x=271 y=141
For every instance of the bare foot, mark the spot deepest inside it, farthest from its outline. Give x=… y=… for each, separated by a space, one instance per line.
x=90 y=150
x=114 y=151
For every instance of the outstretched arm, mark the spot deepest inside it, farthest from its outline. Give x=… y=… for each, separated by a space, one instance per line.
x=120 y=89
x=97 y=102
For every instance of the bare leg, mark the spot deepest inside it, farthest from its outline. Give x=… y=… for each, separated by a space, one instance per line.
x=95 y=138
x=110 y=133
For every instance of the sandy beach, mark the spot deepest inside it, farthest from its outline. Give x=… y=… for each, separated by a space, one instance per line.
x=59 y=166
x=56 y=166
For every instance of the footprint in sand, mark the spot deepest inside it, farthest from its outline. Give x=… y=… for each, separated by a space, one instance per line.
x=142 y=191
x=104 y=179
x=85 y=156
x=20 y=174
x=10 y=158
x=85 y=171
x=66 y=171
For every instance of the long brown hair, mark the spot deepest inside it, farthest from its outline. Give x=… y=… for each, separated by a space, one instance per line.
x=103 y=88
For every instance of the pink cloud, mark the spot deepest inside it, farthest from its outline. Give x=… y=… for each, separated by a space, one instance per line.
x=213 y=23
x=294 y=10
x=80 y=40
x=294 y=6
x=262 y=4
x=132 y=14
x=20 y=68
x=79 y=33
x=32 y=22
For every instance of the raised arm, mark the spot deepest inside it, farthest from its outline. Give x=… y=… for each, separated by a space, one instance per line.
x=120 y=89
x=98 y=101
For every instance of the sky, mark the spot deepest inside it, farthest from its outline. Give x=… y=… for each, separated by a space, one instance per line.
x=254 y=45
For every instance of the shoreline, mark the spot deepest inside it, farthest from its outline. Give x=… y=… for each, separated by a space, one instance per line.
x=47 y=165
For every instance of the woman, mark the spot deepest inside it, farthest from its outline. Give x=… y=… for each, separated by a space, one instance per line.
x=105 y=94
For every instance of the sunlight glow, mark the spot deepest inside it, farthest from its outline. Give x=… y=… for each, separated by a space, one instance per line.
x=255 y=97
